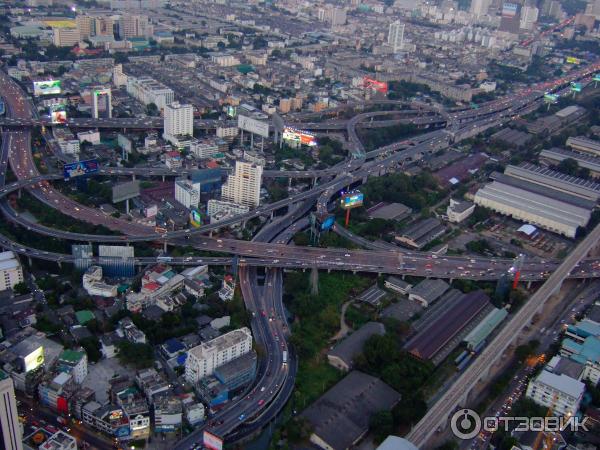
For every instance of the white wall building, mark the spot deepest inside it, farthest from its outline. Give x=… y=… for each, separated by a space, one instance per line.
x=480 y=7
x=148 y=90
x=93 y=284
x=459 y=210
x=11 y=272
x=187 y=193
x=219 y=206
x=203 y=150
x=203 y=359
x=93 y=137
x=10 y=429
x=179 y=121
x=243 y=186
x=561 y=392
x=396 y=36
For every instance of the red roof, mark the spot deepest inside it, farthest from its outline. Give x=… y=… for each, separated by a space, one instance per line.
x=152 y=286
x=212 y=164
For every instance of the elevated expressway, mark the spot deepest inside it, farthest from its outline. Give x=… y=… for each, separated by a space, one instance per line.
x=277 y=255
x=456 y=396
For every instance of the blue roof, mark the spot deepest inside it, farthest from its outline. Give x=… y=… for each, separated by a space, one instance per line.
x=181 y=359
x=591 y=349
x=174 y=345
x=585 y=328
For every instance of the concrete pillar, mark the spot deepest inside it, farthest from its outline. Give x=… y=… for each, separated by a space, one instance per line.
x=165 y=246
x=133 y=176
x=19 y=193
x=126 y=206
x=242 y=138
x=262 y=144
x=529 y=284
x=210 y=233
x=328 y=270
x=59 y=264
x=289 y=182
x=314 y=182
x=272 y=214
x=252 y=140
x=163 y=178
x=244 y=224
x=30 y=261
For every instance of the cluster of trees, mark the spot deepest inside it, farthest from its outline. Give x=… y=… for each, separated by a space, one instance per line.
x=417 y=191
x=403 y=90
x=379 y=137
x=571 y=167
x=480 y=246
x=383 y=357
x=139 y=356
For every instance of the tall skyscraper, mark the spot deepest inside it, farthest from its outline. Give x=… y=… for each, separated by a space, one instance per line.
x=480 y=7
x=396 y=36
x=243 y=187
x=134 y=25
x=179 y=121
x=10 y=431
x=529 y=16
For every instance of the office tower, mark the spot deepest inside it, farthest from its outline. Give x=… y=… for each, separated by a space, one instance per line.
x=243 y=187
x=203 y=359
x=65 y=37
x=84 y=25
x=179 y=121
x=134 y=25
x=11 y=272
x=480 y=7
x=338 y=17
x=187 y=193
x=101 y=103
x=10 y=431
x=396 y=36
x=529 y=16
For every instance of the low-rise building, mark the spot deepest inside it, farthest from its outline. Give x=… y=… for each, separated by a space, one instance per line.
x=421 y=233
x=237 y=372
x=168 y=414
x=560 y=392
x=397 y=285
x=459 y=210
x=428 y=291
x=342 y=355
x=59 y=441
x=73 y=363
x=11 y=272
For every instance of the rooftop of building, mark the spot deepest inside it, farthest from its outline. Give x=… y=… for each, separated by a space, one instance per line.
x=352 y=345
x=563 y=383
x=221 y=343
x=430 y=289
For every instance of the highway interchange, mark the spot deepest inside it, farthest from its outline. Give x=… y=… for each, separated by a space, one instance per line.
x=269 y=248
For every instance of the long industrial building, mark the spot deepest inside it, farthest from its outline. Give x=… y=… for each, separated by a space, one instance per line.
x=441 y=331
x=583 y=144
x=556 y=155
x=539 y=205
x=568 y=184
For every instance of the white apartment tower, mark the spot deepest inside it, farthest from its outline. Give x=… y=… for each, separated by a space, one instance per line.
x=396 y=36
x=187 y=193
x=179 y=121
x=10 y=430
x=480 y=7
x=203 y=359
x=101 y=103
x=11 y=272
x=243 y=187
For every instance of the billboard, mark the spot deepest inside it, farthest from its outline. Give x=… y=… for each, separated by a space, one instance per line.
x=550 y=98
x=195 y=218
x=46 y=87
x=298 y=136
x=596 y=77
x=379 y=86
x=254 y=126
x=58 y=113
x=80 y=168
x=576 y=87
x=231 y=111
x=212 y=442
x=573 y=60
x=35 y=359
x=125 y=191
x=352 y=199
x=327 y=223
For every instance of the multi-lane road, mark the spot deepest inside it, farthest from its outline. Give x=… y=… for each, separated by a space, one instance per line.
x=16 y=150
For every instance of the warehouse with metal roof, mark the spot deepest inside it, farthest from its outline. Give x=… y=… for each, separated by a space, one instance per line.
x=543 y=206
x=481 y=332
x=583 y=144
x=579 y=187
x=443 y=330
x=556 y=155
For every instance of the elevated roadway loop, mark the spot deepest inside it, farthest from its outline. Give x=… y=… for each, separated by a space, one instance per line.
x=457 y=395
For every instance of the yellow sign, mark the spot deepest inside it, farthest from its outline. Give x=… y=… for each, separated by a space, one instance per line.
x=573 y=60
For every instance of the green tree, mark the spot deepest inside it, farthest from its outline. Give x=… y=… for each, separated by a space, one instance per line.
x=568 y=166
x=21 y=288
x=381 y=425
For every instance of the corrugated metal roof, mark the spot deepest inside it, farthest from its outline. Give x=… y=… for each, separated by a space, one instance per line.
x=485 y=327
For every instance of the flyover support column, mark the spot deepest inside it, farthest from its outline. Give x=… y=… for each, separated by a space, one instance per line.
x=19 y=193
x=133 y=176
x=272 y=214
x=244 y=224
x=314 y=182
x=289 y=182
x=127 y=206
x=30 y=261
x=163 y=178
x=529 y=284
x=165 y=246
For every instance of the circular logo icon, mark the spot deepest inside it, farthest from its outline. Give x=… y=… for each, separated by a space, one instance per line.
x=465 y=424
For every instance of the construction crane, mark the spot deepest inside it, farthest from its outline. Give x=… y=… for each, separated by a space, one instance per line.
x=549 y=436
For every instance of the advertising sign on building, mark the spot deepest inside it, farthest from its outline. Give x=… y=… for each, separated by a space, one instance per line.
x=125 y=191
x=80 y=168
x=195 y=218
x=46 y=87
x=58 y=113
x=352 y=199
x=212 y=442
x=35 y=359
x=253 y=126
x=298 y=136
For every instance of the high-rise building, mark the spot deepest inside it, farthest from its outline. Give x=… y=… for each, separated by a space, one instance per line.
x=11 y=272
x=243 y=186
x=480 y=7
x=84 y=25
x=396 y=36
x=101 y=103
x=187 y=193
x=203 y=359
x=10 y=431
x=179 y=121
x=338 y=17
x=134 y=25
x=65 y=37
x=529 y=16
